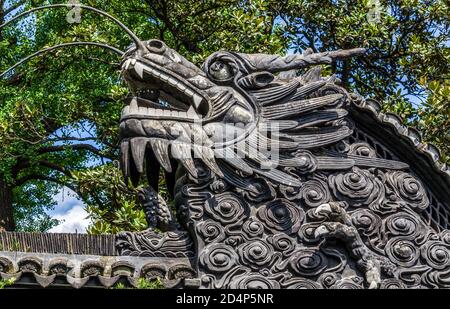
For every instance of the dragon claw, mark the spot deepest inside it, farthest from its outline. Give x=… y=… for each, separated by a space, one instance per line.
x=156 y=210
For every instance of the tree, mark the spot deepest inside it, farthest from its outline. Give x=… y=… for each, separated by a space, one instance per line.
x=41 y=111
x=54 y=114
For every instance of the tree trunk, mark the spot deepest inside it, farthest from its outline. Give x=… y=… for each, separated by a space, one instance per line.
x=6 y=208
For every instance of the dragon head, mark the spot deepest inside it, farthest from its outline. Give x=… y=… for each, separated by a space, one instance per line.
x=241 y=112
x=173 y=97
x=182 y=110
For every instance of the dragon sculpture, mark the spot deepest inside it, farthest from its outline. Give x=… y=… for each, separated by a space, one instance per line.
x=275 y=184
x=266 y=173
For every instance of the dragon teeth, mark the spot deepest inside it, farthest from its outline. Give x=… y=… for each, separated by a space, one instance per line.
x=143 y=110
x=157 y=112
x=126 y=110
x=129 y=169
x=172 y=82
x=189 y=92
x=190 y=166
x=181 y=87
x=182 y=152
x=134 y=109
x=197 y=100
x=124 y=157
x=139 y=68
x=126 y=65
x=138 y=147
x=161 y=150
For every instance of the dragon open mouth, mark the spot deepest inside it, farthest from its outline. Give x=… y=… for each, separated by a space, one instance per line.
x=158 y=123
x=140 y=108
x=161 y=94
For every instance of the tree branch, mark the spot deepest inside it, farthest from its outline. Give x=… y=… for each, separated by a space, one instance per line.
x=70 y=138
x=86 y=147
x=31 y=177
x=55 y=167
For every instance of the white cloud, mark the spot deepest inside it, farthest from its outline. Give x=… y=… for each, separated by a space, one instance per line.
x=75 y=220
x=71 y=211
x=66 y=199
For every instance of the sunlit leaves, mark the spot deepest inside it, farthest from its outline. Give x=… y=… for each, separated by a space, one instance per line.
x=111 y=204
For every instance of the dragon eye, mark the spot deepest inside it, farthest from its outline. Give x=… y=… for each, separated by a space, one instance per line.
x=156 y=46
x=220 y=70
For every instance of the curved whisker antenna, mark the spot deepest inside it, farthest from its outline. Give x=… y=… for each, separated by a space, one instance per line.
x=133 y=36
x=45 y=50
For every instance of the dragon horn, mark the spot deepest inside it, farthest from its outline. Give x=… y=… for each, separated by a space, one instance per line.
x=275 y=63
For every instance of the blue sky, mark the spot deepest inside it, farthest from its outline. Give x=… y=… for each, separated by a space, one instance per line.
x=71 y=211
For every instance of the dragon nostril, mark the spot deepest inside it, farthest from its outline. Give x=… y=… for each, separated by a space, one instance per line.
x=156 y=46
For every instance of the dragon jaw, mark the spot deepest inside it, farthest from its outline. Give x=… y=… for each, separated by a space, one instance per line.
x=177 y=111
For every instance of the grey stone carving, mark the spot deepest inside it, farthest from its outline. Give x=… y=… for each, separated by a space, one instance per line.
x=280 y=177
x=334 y=210
x=82 y=271
x=150 y=243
